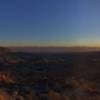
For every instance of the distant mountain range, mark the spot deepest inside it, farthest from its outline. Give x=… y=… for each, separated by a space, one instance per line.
x=47 y=49
x=53 y=49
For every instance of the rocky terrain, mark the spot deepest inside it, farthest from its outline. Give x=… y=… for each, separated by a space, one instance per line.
x=53 y=76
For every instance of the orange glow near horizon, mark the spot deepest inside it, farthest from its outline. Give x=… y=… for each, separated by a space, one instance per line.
x=87 y=44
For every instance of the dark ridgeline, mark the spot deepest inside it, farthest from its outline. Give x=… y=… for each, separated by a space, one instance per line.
x=4 y=52
x=3 y=56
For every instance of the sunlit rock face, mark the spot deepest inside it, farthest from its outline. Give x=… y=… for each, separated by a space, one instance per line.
x=6 y=77
x=5 y=96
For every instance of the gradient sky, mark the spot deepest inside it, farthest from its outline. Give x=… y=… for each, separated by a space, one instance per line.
x=50 y=22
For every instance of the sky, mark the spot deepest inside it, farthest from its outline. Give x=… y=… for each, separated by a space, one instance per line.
x=50 y=23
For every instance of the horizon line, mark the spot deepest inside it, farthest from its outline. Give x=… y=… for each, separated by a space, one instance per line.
x=25 y=46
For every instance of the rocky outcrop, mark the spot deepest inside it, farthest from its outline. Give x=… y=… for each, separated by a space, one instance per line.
x=3 y=54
